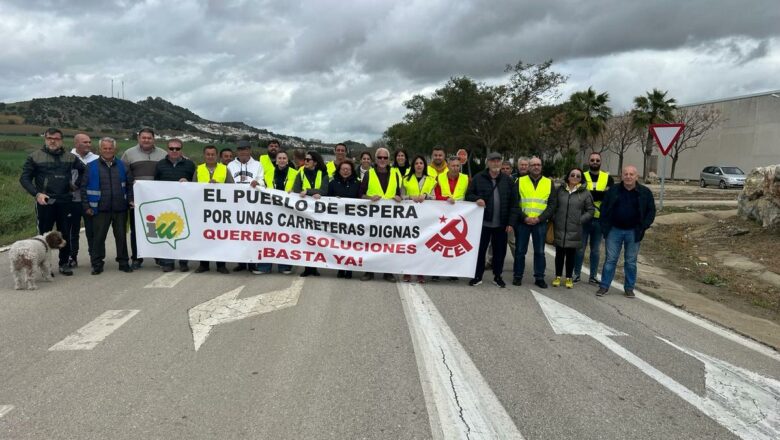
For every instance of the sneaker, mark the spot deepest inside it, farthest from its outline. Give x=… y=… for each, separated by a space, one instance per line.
x=167 y=268
x=287 y=271
x=576 y=278
x=407 y=278
x=540 y=284
x=517 y=281
x=556 y=282
x=569 y=283
x=73 y=262
x=123 y=267
x=65 y=270
x=475 y=281
x=601 y=292
x=593 y=280
x=368 y=276
x=630 y=293
x=499 y=282
x=223 y=269
x=420 y=279
x=201 y=269
x=260 y=272
x=136 y=264
x=389 y=277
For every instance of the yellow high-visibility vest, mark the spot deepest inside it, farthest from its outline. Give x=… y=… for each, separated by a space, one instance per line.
x=460 y=187
x=305 y=184
x=375 y=188
x=400 y=174
x=413 y=188
x=266 y=163
x=533 y=201
x=434 y=173
x=203 y=175
x=601 y=185
x=289 y=181
x=331 y=166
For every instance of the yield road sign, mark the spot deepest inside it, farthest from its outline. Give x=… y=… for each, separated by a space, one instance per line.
x=665 y=135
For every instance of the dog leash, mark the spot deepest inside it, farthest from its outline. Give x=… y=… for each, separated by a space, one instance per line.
x=40 y=240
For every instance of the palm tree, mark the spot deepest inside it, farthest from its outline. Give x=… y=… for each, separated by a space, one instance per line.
x=653 y=108
x=588 y=114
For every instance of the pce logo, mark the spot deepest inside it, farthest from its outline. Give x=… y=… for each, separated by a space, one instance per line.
x=165 y=221
x=450 y=240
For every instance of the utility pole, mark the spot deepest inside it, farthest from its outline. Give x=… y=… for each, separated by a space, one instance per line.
x=112 y=87
x=123 y=89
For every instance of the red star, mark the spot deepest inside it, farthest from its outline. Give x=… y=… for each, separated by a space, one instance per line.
x=442 y=219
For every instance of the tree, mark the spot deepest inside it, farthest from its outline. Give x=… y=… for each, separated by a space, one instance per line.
x=532 y=84
x=618 y=136
x=698 y=122
x=588 y=113
x=653 y=108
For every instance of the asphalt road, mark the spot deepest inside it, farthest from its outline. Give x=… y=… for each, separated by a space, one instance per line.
x=346 y=359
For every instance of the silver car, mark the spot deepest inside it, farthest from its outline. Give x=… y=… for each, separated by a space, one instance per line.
x=724 y=177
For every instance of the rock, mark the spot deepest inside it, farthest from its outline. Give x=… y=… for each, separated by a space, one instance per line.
x=760 y=198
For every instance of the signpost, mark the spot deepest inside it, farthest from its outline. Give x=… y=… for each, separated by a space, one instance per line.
x=665 y=136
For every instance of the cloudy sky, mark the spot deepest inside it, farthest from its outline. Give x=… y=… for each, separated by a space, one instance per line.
x=336 y=70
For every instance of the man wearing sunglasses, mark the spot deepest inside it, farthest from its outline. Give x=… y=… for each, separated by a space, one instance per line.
x=381 y=183
x=597 y=182
x=174 y=168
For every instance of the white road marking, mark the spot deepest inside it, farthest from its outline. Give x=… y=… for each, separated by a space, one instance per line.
x=167 y=280
x=226 y=308
x=460 y=403
x=89 y=336
x=5 y=409
x=749 y=412
x=696 y=320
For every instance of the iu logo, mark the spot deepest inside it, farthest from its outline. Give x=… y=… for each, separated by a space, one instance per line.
x=450 y=241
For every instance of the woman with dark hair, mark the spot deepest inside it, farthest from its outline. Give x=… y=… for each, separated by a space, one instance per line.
x=400 y=162
x=417 y=186
x=345 y=185
x=312 y=180
x=572 y=207
x=366 y=162
x=282 y=177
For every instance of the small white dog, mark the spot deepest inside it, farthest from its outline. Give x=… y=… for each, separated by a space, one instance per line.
x=34 y=253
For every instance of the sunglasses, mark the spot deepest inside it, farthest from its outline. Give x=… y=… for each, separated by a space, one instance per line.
x=383 y=157
x=174 y=148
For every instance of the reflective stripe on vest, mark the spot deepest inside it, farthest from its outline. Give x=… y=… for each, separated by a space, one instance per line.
x=219 y=176
x=375 y=187
x=601 y=185
x=93 y=182
x=305 y=184
x=460 y=187
x=412 y=185
x=270 y=178
x=533 y=201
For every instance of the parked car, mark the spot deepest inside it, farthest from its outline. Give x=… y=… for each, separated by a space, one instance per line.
x=724 y=177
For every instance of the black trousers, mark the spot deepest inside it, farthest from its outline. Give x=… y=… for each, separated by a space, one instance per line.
x=101 y=222
x=206 y=264
x=497 y=236
x=566 y=255
x=56 y=214
x=76 y=213
x=133 y=245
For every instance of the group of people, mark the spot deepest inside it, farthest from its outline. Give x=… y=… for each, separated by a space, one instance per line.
x=518 y=204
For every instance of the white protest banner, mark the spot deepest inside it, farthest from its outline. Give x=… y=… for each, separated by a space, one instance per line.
x=223 y=222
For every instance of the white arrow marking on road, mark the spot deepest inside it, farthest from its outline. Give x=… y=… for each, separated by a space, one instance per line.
x=167 y=280
x=745 y=414
x=226 y=308
x=89 y=336
x=460 y=403
x=5 y=409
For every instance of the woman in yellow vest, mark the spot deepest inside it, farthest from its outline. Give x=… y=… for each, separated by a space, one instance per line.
x=417 y=186
x=211 y=172
x=400 y=163
x=312 y=180
x=282 y=176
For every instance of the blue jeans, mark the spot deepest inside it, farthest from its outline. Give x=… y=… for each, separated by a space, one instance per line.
x=266 y=267
x=591 y=231
x=524 y=233
x=617 y=239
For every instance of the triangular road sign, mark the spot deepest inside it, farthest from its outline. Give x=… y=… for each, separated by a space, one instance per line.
x=665 y=135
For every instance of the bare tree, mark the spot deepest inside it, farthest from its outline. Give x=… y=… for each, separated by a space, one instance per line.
x=698 y=122
x=618 y=136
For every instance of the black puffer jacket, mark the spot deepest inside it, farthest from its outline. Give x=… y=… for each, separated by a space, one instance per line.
x=481 y=187
x=571 y=210
x=346 y=188
x=168 y=171
x=49 y=172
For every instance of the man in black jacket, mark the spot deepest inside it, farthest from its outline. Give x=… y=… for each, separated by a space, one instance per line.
x=174 y=168
x=627 y=212
x=47 y=175
x=496 y=192
x=107 y=194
